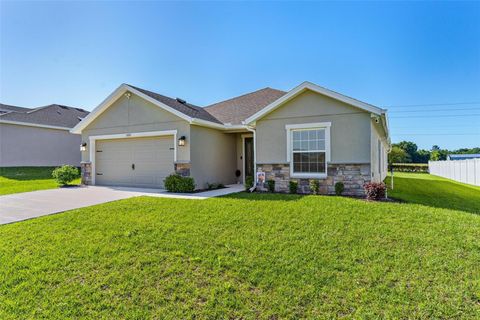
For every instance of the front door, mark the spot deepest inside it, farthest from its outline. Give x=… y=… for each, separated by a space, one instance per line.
x=248 y=158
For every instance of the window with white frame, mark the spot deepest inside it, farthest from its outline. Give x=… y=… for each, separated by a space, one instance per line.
x=308 y=152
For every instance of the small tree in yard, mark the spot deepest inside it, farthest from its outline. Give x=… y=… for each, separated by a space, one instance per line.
x=397 y=155
x=65 y=174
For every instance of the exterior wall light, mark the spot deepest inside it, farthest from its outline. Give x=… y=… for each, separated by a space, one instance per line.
x=181 y=141
x=83 y=146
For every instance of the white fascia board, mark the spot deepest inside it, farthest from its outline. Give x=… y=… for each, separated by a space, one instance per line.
x=386 y=126
x=205 y=123
x=315 y=88
x=26 y=124
x=224 y=127
x=235 y=127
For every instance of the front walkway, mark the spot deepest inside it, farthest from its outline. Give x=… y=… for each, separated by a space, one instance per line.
x=22 y=206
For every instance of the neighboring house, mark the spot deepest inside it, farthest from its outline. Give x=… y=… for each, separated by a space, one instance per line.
x=463 y=156
x=136 y=138
x=39 y=136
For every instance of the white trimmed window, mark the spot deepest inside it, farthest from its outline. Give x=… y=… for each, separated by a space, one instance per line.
x=308 y=149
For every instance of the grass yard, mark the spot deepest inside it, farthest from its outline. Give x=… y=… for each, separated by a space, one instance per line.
x=245 y=256
x=434 y=191
x=24 y=179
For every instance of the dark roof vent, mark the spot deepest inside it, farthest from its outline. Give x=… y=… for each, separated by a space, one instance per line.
x=63 y=107
x=181 y=101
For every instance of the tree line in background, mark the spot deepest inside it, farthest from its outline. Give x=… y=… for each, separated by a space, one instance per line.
x=408 y=152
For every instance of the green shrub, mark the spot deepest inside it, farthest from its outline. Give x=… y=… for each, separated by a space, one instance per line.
x=339 y=187
x=178 y=183
x=248 y=182
x=293 y=186
x=65 y=174
x=314 y=186
x=271 y=185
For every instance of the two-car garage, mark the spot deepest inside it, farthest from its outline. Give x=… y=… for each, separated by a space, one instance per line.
x=134 y=161
x=130 y=139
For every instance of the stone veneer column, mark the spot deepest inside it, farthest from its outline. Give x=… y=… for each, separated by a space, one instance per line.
x=353 y=176
x=183 y=169
x=86 y=172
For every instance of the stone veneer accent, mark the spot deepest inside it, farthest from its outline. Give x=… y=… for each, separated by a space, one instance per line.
x=278 y=172
x=183 y=169
x=353 y=176
x=86 y=170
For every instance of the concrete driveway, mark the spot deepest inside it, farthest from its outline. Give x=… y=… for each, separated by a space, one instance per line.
x=22 y=206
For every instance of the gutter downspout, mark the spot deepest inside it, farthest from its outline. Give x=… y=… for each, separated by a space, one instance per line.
x=251 y=129
x=386 y=126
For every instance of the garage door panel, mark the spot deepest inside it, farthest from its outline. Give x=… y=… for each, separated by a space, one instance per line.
x=113 y=150
x=153 y=159
x=118 y=174
x=144 y=180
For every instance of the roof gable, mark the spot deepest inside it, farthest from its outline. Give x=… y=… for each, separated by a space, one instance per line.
x=315 y=88
x=188 y=112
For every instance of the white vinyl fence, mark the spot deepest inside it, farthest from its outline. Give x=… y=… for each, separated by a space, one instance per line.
x=466 y=171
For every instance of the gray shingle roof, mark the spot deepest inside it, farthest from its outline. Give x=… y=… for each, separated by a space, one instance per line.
x=185 y=108
x=232 y=111
x=4 y=108
x=51 y=115
x=238 y=109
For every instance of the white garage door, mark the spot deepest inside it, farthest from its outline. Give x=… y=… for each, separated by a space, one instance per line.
x=136 y=162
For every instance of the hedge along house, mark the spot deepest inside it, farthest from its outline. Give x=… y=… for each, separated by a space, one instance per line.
x=136 y=138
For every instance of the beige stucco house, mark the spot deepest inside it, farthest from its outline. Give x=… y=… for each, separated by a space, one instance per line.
x=39 y=136
x=137 y=137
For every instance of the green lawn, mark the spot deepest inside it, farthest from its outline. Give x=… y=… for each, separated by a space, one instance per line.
x=252 y=256
x=24 y=179
x=435 y=191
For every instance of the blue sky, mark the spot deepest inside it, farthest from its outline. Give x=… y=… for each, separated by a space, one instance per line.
x=387 y=54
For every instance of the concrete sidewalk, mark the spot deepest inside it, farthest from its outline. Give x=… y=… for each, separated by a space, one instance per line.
x=22 y=206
